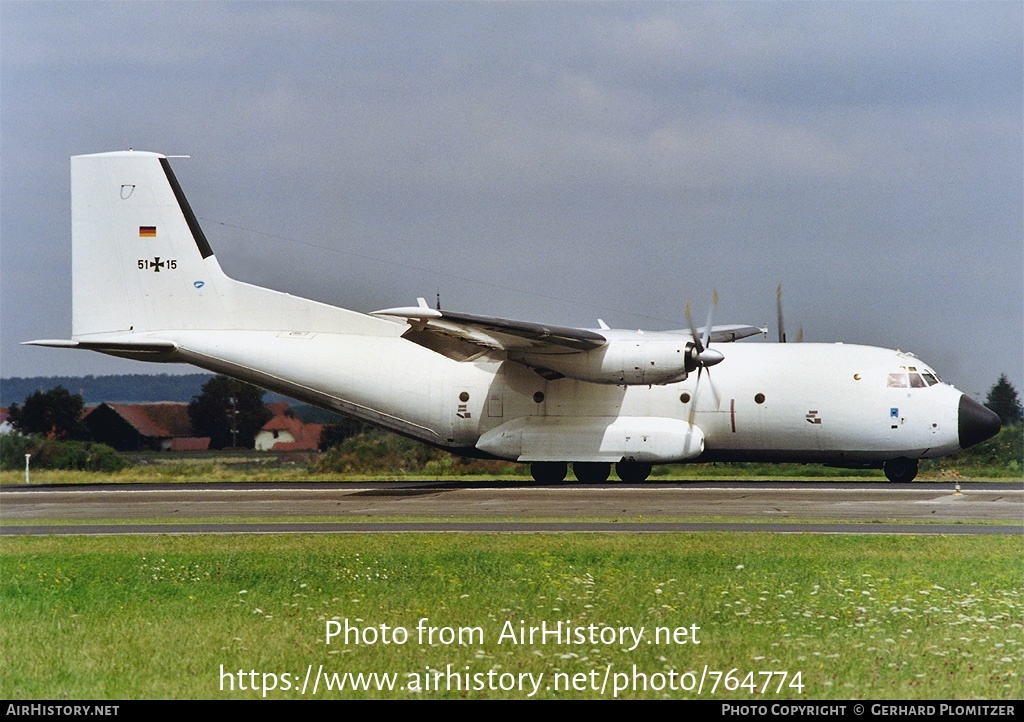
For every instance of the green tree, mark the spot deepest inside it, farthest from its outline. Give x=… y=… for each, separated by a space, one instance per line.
x=54 y=414
x=335 y=434
x=1002 y=398
x=230 y=412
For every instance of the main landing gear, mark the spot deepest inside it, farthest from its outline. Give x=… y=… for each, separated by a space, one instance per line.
x=549 y=472
x=633 y=472
x=589 y=472
x=900 y=470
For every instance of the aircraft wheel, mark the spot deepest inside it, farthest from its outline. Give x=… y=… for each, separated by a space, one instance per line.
x=900 y=470
x=591 y=472
x=549 y=472
x=633 y=472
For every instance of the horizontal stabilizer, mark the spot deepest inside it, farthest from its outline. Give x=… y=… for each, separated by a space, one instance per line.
x=108 y=346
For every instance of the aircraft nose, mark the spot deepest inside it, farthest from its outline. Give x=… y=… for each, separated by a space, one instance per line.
x=976 y=423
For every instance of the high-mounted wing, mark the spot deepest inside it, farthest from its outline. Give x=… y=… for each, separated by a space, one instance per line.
x=731 y=332
x=606 y=356
x=464 y=332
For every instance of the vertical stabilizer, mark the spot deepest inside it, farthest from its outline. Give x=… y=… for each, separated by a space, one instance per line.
x=141 y=262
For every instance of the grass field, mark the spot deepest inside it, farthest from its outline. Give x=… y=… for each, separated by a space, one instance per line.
x=856 y=616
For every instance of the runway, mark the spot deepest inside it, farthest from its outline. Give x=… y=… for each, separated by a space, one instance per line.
x=514 y=506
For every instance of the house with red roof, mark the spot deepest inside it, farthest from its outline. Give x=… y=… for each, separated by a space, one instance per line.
x=287 y=433
x=161 y=426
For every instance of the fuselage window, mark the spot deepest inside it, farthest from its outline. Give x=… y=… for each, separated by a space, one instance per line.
x=898 y=381
x=916 y=381
x=930 y=379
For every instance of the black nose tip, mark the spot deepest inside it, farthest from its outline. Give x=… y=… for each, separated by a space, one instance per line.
x=976 y=423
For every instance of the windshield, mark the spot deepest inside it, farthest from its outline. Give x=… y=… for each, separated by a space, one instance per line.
x=910 y=377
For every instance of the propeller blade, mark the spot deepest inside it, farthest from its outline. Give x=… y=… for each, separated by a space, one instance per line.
x=706 y=356
x=696 y=390
x=778 y=305
x=693 y=330
x=714 y=392
x=693 y=398
x=711 y=311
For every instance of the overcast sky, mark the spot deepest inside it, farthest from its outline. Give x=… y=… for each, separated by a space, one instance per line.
x=548 y=162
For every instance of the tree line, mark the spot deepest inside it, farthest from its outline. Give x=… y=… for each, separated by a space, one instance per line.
x=49 y=426
x=123 y=388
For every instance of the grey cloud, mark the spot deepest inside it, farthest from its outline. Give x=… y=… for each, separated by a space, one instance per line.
x=593 y=156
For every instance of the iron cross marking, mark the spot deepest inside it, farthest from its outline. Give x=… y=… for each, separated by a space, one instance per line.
x=156 y=264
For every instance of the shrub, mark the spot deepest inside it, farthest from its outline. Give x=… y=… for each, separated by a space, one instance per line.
x=381 y=452
x=54 y=454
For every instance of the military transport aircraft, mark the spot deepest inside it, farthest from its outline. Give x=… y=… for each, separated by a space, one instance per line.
x=147 y=286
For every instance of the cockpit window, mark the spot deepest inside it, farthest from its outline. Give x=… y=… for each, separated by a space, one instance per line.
x=898 y=381
x=912 y=379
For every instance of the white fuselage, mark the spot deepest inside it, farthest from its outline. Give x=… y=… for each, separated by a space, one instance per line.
x=797 y=402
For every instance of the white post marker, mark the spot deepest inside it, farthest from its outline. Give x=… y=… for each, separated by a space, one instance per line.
x=27 y=457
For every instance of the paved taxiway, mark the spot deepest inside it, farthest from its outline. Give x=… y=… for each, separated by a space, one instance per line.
x=836 y=507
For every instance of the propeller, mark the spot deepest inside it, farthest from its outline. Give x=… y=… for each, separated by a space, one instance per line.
x=703 y=356
x=778 y=306
x=782 y=328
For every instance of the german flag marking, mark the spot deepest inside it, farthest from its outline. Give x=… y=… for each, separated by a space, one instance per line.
x=147 y=231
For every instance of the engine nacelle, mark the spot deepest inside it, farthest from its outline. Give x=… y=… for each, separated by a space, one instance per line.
x=631 y=358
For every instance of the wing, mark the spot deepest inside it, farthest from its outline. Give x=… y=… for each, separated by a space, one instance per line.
x=730 y=332
x=463 y=336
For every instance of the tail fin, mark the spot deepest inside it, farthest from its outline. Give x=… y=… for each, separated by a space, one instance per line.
x=141 y=262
